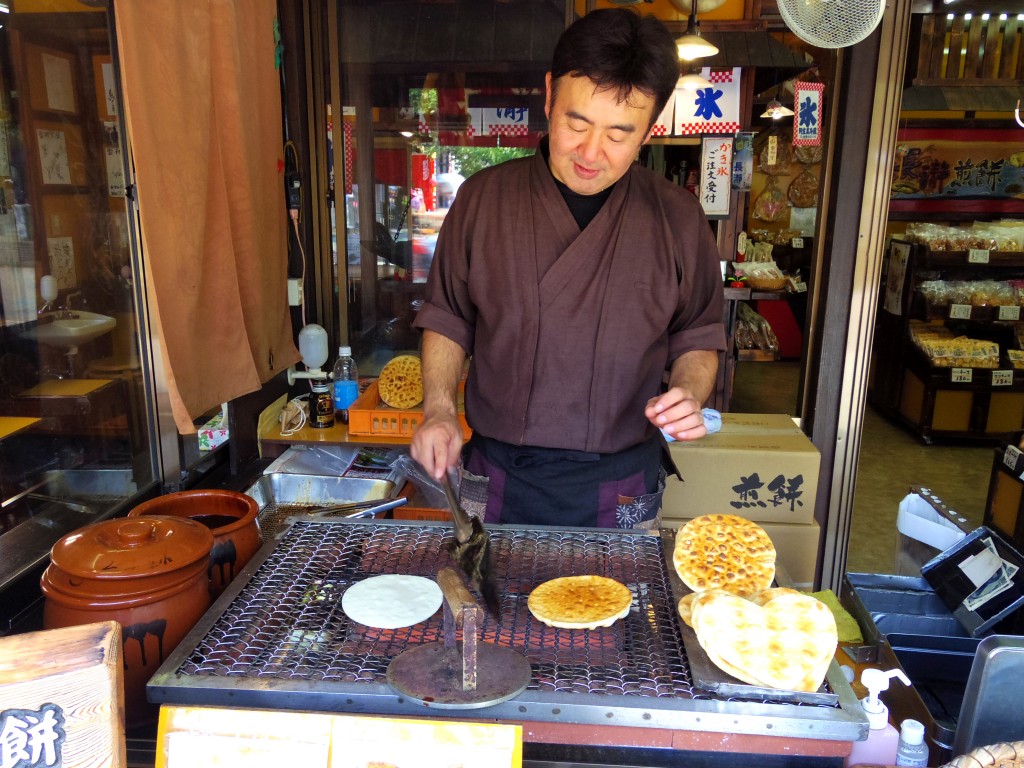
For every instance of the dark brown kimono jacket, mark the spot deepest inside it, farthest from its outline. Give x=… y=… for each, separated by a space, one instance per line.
x=571 y=331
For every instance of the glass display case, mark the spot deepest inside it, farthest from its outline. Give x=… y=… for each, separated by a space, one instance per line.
x=75 y=436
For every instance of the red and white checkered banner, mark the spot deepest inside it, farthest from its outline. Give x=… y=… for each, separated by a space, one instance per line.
x=713 y=109
x=349 y=151
x=663 y=125
x=807 y=99
x=506 y=130
x=505 y=121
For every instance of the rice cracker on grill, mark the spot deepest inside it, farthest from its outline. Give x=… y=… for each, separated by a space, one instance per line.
x=580 y=602
x=400 y=383
x=724 y=552
x=787 y=643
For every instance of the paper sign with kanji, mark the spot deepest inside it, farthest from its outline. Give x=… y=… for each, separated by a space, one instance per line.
x=663 y=125
x=715 y=172
x=807 y=99
x=505 y=121
x=714 y=109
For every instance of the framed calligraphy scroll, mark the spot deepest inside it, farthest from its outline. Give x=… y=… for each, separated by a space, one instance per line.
x=52 y=80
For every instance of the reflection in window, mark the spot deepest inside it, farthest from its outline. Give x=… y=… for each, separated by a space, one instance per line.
x=431 y=95
x=73 y=438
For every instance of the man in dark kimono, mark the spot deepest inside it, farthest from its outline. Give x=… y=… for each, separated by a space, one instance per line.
x=575 y=279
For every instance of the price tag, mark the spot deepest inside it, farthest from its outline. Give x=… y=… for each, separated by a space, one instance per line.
x=1002 y=378
x=1011 y=456
x=798 y=242
x=961 y=375
x=801 y=287
x=977 y=256
x=741 y=244
x=1009 y=313
x=773 y=150
x=960 y=311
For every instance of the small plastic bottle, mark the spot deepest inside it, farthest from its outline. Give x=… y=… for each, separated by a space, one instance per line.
x=880 y=746
x=912 y=750
x=346 y=383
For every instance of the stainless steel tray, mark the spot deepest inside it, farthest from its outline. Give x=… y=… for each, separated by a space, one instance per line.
x=281 y=495
x=277 y=638
x=991 y=708
x=709 y=677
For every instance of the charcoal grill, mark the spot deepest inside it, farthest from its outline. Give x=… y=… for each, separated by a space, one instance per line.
x=277 y=638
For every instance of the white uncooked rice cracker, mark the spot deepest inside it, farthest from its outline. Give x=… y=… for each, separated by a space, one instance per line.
x=391 y=601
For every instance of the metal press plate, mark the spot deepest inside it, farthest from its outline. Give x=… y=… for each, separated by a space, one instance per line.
x=429 y=674
x=277 y=638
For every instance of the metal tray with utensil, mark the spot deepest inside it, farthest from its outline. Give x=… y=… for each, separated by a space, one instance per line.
x=284 y=495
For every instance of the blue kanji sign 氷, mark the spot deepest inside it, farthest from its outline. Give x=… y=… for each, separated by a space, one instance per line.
x=807 y=122
x=713 y=109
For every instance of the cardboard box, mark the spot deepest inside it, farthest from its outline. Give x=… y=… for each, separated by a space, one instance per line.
x=761 y=467
x=796 y=548
x=745 y=423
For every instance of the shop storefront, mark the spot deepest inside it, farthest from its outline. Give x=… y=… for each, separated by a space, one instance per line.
x=388 y=109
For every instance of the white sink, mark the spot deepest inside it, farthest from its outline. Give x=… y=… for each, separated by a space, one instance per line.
x=69 y=332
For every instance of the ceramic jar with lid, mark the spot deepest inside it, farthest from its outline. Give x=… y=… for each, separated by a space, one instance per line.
x=148 y=575
x=232 y=517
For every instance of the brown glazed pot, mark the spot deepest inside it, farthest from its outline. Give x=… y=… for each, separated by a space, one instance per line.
x=230 y=515
x=148 y=575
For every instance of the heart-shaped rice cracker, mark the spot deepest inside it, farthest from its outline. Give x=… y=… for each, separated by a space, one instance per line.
x=787 y=643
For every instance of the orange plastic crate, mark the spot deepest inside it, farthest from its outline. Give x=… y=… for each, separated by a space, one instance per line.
x=370 y=416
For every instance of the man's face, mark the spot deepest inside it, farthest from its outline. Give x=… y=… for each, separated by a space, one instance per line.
x=593 y=137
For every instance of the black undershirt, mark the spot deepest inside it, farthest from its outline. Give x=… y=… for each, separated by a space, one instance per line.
x=582 y=207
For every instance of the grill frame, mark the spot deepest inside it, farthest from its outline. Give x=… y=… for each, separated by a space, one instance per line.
x=208 y=669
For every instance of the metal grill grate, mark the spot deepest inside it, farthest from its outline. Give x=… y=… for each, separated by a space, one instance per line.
x=287 y=621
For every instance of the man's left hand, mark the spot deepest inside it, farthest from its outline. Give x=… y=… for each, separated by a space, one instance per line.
x=677 y=412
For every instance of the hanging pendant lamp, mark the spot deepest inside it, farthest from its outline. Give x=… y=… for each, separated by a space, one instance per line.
x=776 y=111
x=692 y=45
x=693 y=81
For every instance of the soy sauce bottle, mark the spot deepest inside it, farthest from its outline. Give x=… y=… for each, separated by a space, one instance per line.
x=321 y=405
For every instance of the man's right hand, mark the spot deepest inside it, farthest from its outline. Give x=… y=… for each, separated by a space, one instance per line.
x=436 y=444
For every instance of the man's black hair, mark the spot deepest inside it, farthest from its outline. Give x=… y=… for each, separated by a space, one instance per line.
x=620 y=50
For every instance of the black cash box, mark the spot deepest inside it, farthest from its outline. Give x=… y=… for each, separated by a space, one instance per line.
x=910 y=625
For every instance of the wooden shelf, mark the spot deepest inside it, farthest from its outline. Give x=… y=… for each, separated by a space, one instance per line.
x=756 y=355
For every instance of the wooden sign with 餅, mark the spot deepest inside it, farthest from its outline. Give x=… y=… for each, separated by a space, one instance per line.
x=61 y=696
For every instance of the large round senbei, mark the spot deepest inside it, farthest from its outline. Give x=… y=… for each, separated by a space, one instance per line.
x=580 y=602
x=400 y=383
x=724 y=552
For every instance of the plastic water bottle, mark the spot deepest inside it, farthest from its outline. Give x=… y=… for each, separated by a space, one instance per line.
x=912 y=750
x=346 y=383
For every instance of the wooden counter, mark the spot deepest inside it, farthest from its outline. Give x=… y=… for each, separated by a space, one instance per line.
x=274 y=443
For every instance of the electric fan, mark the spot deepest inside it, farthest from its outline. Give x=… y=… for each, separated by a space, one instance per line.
x=832 y=23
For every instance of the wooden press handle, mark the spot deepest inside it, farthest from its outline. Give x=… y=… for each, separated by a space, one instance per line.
x=455 y=593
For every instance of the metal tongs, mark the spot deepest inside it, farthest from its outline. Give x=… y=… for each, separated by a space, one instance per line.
x=463 y=523
x=471 y=548
x=359 y=509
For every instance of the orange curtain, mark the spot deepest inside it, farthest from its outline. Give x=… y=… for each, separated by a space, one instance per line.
x=203 y=109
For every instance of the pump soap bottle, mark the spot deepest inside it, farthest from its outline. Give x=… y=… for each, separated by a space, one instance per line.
x=883 y=740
